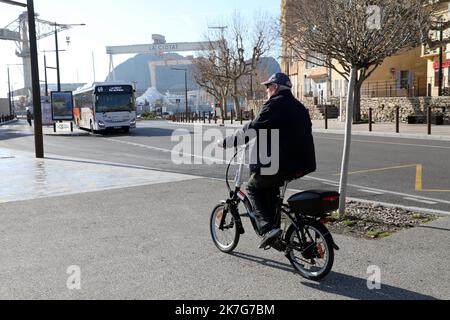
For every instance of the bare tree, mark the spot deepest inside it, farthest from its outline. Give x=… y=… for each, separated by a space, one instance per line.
x=234 y=57
x=437 y=24
x=353 y=37
x=209 y=73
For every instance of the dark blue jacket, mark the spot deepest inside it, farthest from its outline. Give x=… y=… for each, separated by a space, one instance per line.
x=296 y=145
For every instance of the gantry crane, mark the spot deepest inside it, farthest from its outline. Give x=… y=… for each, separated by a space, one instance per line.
x=17 y=31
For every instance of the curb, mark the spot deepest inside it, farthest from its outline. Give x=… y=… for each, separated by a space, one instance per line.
x=9 y=122
x=386 y=134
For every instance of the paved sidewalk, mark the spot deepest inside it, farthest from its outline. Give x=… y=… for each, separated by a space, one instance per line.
x=411 y=131
x=138 y=233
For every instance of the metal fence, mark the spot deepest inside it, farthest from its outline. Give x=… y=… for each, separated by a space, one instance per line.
x=4 y=118
x=382 y=89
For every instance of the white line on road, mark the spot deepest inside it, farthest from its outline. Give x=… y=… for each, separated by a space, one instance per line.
x=332 y=184
x=370 y=191
x=421 y=201
x=380 y=190
x=306 y=178
x=391 y=143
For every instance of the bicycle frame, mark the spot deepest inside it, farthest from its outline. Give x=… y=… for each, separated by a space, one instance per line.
x=237 y=196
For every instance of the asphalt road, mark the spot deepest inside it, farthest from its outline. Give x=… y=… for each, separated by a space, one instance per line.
x=400 y=171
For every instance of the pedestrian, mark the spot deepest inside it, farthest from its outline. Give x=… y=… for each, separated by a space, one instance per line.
x=29 y=116
x=297 y=158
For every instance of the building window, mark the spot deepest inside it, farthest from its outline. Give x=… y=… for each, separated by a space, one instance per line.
x=404 y=79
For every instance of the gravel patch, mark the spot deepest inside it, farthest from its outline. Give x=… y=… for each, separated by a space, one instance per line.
x=374 y=221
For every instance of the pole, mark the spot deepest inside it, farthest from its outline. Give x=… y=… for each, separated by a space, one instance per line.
x=441 y=74
x=397 y=119
x=185 y=90
x=370 y=119
x=45 y=75
x=9 y=93
x=38 y=139
x=326 y=117
x=57 y=58
x=429 y=120
x=93 y=65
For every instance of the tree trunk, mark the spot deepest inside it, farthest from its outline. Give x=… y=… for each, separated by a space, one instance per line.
x=224 y=107
x=347 y=141
x=357 y=102
x=237 y=106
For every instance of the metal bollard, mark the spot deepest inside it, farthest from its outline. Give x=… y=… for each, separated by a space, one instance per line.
x=326 y=117
x=215 y=116
x=397 y=119
x=242 y=117
x=429 y=120
x=232 y=116
x=370 y=119
x=253 y=115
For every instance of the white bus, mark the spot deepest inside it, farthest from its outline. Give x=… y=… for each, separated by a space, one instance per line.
x=105 y=106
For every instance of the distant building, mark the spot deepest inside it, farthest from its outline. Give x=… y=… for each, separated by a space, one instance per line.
x=4 y=107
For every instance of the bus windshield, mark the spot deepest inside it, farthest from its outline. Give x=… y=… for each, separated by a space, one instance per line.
x=114 y=102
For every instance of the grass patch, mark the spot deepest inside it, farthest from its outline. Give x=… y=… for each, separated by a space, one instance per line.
x=422 y=218
x=378 y=234
x=348 y=223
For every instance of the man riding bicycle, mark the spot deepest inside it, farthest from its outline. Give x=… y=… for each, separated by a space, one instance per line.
x=282 y=112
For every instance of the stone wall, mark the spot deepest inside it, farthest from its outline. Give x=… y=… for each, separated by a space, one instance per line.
x=383 y=109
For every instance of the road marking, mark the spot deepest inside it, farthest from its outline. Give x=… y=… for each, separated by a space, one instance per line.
x=419 y=170
x=419 y=184
x=335 y=184
x=419 y=175
x=391 y=143
x=201 y=157
x=418 y=200
x=370 y=191
x=380 y=169
x=332 y=184
x=379 y=190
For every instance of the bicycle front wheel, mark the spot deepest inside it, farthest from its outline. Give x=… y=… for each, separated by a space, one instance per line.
x=226 y=237
x=312 y=255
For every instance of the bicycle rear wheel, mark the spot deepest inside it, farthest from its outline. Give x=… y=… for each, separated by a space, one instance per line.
x=227 y=237
x=312 y=256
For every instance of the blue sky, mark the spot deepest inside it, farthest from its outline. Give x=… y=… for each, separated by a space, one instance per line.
x=118 y=23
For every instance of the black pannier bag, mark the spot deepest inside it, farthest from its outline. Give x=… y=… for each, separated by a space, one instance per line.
x=314 y=202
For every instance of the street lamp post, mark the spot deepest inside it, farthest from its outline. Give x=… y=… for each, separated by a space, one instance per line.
x=37 y=111
x=185 y=86
x=56 y=25
x=9 y=93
